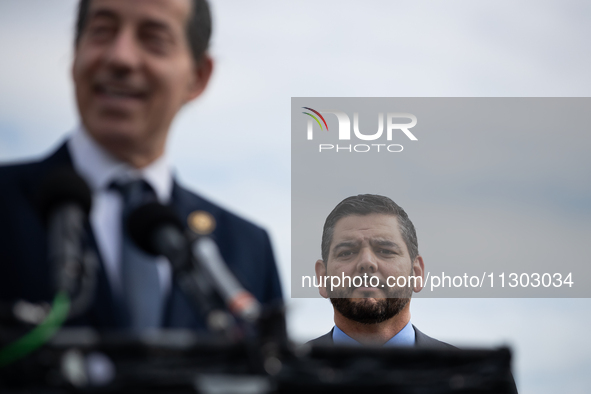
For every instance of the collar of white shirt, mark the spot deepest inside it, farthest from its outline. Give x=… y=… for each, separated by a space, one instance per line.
x=99 y=168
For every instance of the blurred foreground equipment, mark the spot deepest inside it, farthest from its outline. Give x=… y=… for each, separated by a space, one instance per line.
x=83 y=360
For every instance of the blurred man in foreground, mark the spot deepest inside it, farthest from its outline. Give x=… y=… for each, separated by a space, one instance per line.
x=136 y=64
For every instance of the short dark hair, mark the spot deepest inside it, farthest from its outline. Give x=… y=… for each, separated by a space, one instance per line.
x=198 y=26
x=367 y=204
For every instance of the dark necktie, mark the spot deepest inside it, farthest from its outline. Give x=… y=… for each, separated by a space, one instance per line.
x=142 y=291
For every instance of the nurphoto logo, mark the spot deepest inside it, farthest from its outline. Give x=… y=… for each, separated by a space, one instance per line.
x=344 y=131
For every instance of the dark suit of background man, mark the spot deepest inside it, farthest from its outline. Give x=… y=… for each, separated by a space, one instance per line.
x=136 y=64
x=371 y=235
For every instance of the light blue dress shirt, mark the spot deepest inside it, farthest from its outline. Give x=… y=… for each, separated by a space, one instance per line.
x=405 y=337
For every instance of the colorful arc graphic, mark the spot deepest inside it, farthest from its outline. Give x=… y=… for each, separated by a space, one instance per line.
x=317 y=113
x=315 y=118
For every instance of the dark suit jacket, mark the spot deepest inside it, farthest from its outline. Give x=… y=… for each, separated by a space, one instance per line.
x=25 y=272
x=421 y=340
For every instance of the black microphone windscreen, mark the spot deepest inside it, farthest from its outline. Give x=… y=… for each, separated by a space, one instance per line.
x=145 y=220
x=64 y=186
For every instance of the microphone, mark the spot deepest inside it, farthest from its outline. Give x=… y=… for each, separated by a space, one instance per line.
x=239 y=301
x=65 y=202
x=157 y=230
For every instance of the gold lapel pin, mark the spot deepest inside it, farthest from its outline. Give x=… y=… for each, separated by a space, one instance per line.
x=201 y=222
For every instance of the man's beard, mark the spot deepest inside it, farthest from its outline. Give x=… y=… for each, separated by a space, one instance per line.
x=366 y=311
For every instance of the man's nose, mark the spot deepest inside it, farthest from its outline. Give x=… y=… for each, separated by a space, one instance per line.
x=367 y=262
x=124 y=53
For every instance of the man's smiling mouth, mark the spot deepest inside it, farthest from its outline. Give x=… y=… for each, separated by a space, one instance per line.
x=120 y=91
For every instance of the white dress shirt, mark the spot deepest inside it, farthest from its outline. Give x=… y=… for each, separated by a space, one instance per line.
x=99 y=168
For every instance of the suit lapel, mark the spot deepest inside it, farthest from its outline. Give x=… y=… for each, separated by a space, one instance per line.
x=179 y=310
x=106 y=310
x=324 y=340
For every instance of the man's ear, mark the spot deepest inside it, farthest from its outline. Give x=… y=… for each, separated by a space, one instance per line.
x=418 y=269
x=320 y=274
x=201 y=76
